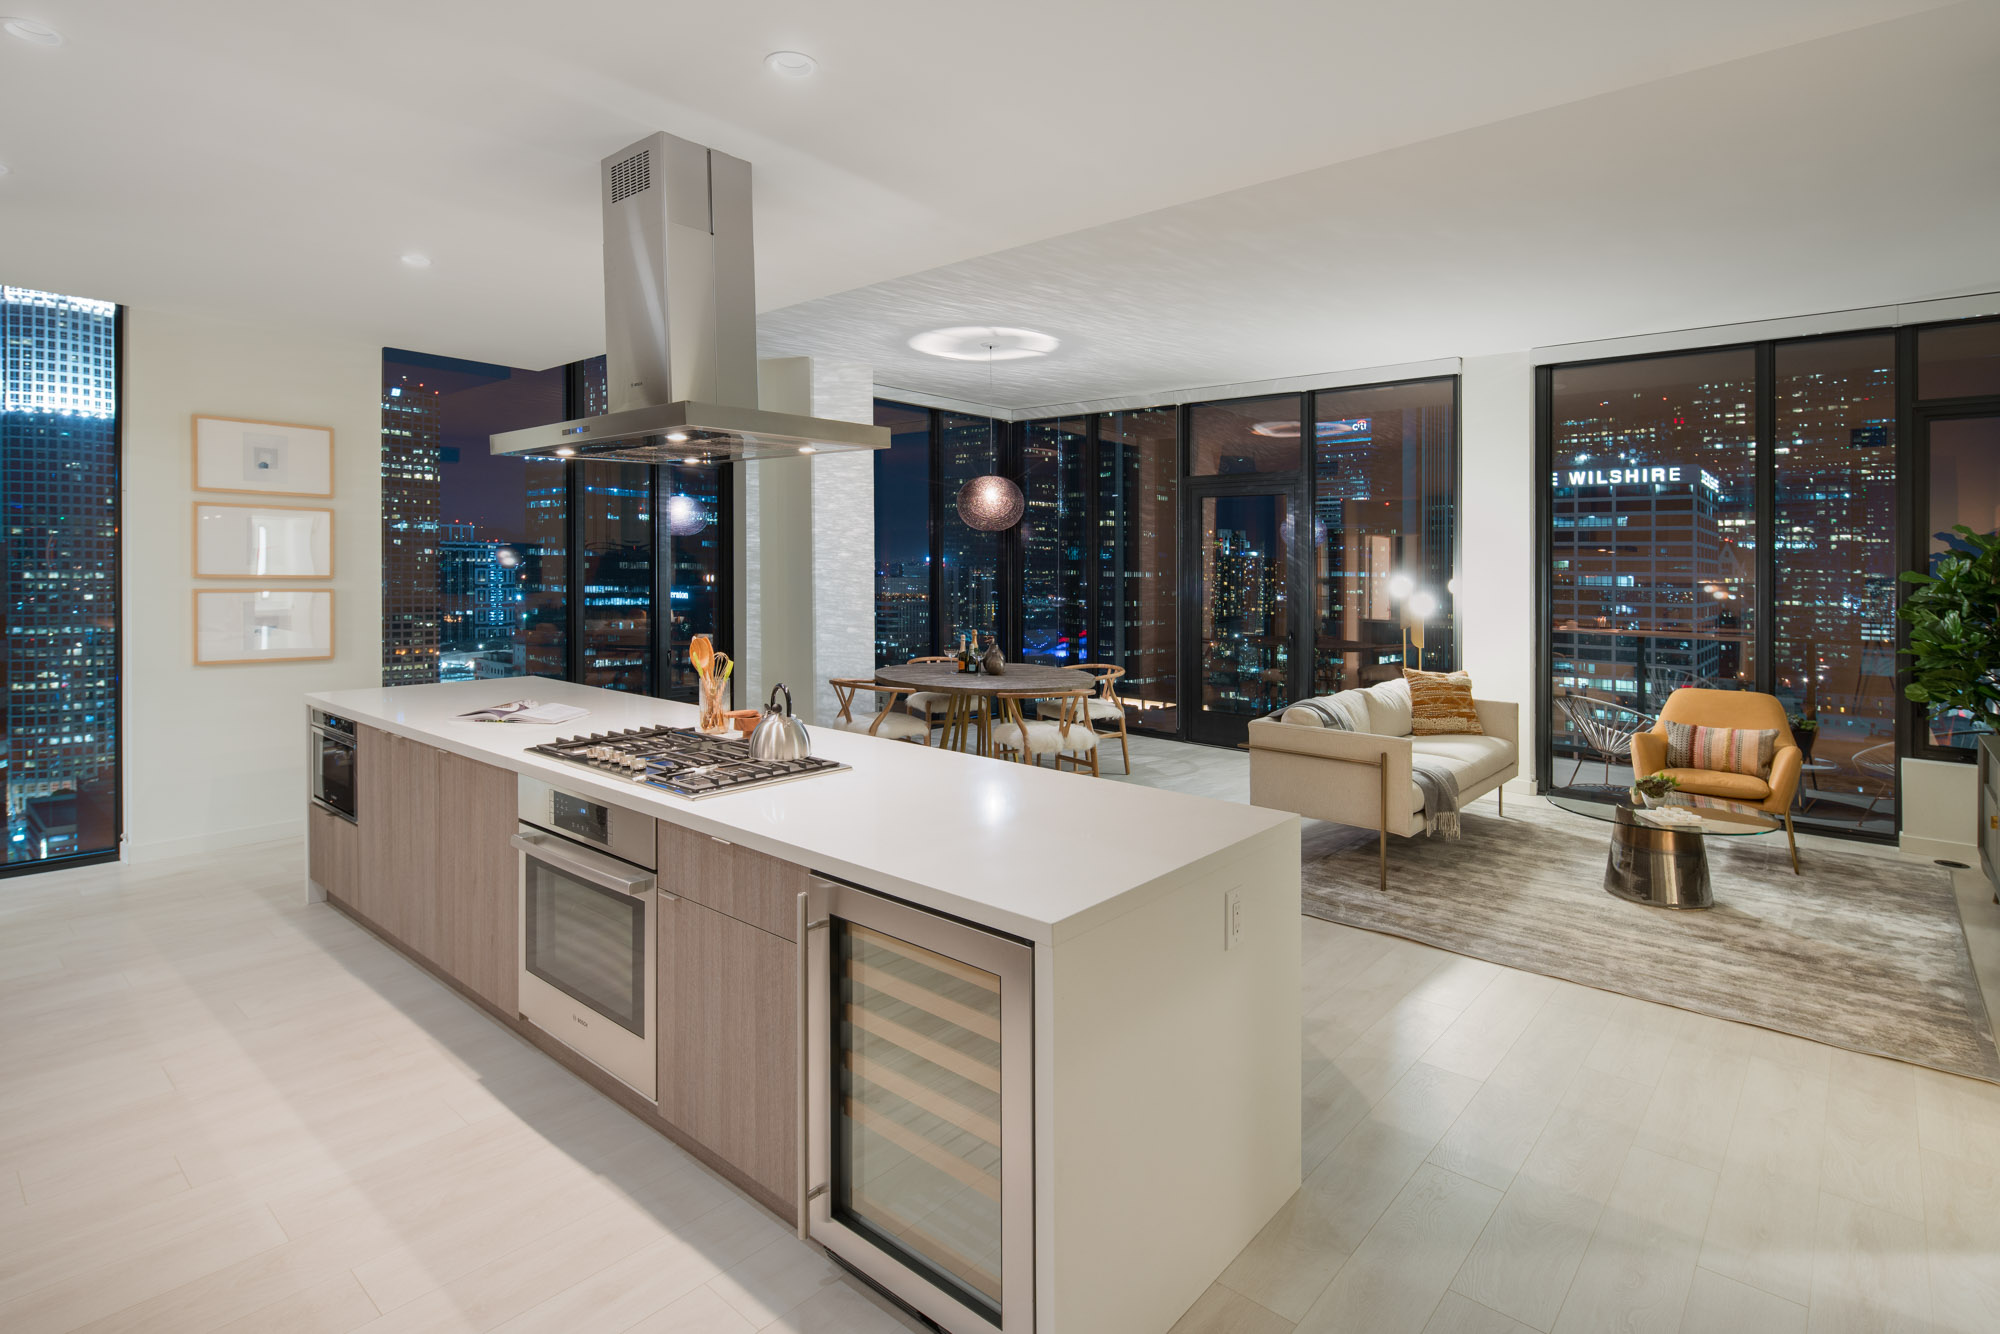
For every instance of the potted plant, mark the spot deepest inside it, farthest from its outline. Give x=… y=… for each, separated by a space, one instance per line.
x=1805 y=731
x=1954 y=618
x=1652 y=788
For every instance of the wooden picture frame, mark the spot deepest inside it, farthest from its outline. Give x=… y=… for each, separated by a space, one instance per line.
x=293 y=625
x=232 y=541
x=244 y=457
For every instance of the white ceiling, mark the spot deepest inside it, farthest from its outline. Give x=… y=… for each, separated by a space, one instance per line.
x=1574 y=166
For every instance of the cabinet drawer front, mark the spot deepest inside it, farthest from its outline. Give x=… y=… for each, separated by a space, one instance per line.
x=734 y=880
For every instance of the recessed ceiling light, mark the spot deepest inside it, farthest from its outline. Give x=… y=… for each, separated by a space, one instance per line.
x=28 y=30
x=979 y=342
x=791 y=64
x=808 y=449
x=417 y=261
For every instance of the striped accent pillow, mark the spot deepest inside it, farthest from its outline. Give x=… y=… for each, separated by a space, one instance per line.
x=1441 y=703
x=1728 y=750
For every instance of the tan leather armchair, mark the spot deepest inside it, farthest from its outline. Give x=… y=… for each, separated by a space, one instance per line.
x=1728 y=708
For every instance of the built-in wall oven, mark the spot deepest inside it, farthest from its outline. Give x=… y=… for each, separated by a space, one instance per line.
x=333 y=786
x=587 y=975
x=917 y=1161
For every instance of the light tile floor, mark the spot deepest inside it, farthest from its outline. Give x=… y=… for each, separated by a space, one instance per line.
x=224 y=1110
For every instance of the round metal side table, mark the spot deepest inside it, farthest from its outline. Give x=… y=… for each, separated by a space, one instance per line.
x=1656 y=860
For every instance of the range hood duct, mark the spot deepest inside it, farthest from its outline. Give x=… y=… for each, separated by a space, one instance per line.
x=680 y=324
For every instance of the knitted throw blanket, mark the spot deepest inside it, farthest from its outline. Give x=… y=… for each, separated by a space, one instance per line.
x=1439 y=784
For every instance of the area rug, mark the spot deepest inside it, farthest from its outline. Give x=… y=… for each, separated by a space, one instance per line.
x=1859 y=952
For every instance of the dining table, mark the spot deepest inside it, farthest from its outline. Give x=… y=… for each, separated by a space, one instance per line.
x=969 y=713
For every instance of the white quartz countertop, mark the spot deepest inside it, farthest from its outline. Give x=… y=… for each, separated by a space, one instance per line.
x=1034 y=852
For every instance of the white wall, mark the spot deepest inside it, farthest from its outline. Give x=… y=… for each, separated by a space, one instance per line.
x=216 y=755
x=1496 y=566
x=805 y=534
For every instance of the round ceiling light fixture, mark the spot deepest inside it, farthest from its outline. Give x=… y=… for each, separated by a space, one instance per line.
x=29 y=30
x=685 y=516
x=416 y=260
x=981 y=342
x=791 y=64
x=990 y=504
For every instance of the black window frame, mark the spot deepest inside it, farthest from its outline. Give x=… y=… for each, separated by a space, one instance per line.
x=1911 y=542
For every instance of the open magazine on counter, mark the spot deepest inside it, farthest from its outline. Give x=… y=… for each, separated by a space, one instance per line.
x=525 y=711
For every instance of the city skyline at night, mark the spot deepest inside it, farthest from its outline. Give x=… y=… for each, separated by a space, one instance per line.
x=59 y=472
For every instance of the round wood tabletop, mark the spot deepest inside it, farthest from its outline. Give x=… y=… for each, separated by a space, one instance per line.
x=945 y=678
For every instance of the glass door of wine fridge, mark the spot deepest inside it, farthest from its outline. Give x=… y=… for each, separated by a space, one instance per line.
x=918 y=1070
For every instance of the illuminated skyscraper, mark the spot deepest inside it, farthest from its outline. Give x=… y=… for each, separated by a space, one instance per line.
x=59 y=471
x=410 y=494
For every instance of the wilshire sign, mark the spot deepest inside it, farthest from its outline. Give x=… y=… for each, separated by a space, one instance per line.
x=1635 y=476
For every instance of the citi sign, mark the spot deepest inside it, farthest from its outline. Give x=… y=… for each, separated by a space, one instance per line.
x=1635 y=476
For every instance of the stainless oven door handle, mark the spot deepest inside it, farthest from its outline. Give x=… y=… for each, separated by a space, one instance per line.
x=803 y=927
x=341 y=739
x=597 y=870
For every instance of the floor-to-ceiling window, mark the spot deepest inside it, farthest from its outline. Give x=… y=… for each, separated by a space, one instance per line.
x=1384 y=531
x=59 y=463
x=1652 y=557
x=1242 y=499
x=1957 y=429
x=1192 y=546
x=903 y=535
x=1136 y=603
x=1738 y=518
x=477 y=575
x=1834 y=566
x=474 y=545
x=969 y=560
x=1055 y=541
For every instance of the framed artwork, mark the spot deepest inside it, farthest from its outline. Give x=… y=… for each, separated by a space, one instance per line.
x=262 y=542
x=262 y=625
x=262 y=458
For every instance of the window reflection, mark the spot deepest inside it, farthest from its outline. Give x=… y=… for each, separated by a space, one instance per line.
x=1136 y=611
x=1247 y=436
x=1385 y=474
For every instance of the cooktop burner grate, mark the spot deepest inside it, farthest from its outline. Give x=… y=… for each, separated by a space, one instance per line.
x=681 y=760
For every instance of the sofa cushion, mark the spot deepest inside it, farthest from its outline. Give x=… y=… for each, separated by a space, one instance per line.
x=1715 y=783
x=1441 y=703
x=1475 y=758
x=1344 y=711
x=1730 y=750
x=1389 y=708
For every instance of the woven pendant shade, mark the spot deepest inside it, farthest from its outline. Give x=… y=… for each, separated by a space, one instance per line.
x=990 y=504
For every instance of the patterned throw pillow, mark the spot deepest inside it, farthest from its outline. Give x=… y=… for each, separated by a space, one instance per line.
x=1728 y=750
x=1440 y=703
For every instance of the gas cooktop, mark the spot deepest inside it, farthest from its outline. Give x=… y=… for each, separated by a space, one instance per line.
x=681 y=760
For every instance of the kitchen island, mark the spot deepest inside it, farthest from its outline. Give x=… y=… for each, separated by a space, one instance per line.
x=1163 y=931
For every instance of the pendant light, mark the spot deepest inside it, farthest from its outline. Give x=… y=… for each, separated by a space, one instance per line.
x=990 y=504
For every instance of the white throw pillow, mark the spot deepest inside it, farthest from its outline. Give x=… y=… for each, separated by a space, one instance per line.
x=1389 y=708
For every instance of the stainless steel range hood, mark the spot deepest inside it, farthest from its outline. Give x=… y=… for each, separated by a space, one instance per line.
x=680 y=324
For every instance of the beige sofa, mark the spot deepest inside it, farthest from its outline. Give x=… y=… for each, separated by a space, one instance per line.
x=1362 y=778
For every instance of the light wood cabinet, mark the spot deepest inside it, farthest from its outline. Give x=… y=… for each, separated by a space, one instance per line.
x=398 y=805
x=477 y=880
x=733 y=880
x=727 y=1035
x=333 y=853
